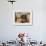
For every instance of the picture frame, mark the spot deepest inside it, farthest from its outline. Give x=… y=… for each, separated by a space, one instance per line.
x=23 y=17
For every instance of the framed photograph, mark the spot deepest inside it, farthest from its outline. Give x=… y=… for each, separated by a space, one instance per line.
x=23 y=18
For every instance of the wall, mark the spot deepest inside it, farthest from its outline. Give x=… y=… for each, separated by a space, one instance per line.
x=8 y=30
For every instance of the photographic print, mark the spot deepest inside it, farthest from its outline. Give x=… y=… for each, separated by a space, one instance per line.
x=23 y=18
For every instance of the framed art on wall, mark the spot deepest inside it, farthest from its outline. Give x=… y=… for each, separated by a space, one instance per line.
x=23 y=18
